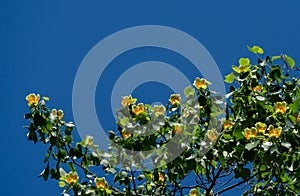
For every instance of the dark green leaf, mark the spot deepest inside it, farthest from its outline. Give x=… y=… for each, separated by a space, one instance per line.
x=45 y=172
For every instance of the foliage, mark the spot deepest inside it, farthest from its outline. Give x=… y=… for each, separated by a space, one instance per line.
x=256 y=142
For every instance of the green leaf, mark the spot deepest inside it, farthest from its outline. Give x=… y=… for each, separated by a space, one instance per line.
x=38 y=120
x=256 y=49
x=227 y=136
x=236 y=69
x=238 y=134
x=189 y=91
x=61 y=184
x=71 y=166
x=229 y=78
x=45 y=172
x=260 y=51
x=48 y=154
x=275 y=58
x=244 y=61
x=241 y=172
x=290 y=61
x=46 y=98
x=275 y=73
x=250 y=146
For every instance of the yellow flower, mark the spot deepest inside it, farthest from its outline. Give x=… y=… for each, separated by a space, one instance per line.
x=60 y=114
x=250 y=133
x=125 y=134
x=212 y=134
x=128 y=100
x=298 y=118
x=161 y=177
x=33 y=99
x=274 y=132
x=101 y=183
x=159 y=110
x=257 y=88
x=71 y=177
x=178 y=128
x=137 y=109
x=201 y=83
x=54 y=112
x=241 y=68
x=175 y=99
x=194 y=192
x=280 y=107
x=261 y=127
x=227 y=125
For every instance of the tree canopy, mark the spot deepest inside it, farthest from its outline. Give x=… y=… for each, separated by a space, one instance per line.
x=200 y=143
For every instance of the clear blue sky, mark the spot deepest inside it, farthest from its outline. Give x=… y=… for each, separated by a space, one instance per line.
x=42 y=44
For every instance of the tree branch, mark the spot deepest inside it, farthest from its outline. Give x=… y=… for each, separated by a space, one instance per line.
x=133 y=181
x=235 y=185
x=213 y=183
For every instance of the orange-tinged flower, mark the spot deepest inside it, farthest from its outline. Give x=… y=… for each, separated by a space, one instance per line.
x=33 y=99
x=280 y=107
x=126 y=134
x=178 y=128
x=137 y=109
x=298 y=118
x=101 y=183
x=161 y=177
x=274 y=132
x=71 y=177
x=60 y=114
x=201 y=83
x=250 y=133
x=194 y=192
x=227 y=125
x=128 y=100
x=257 y=88
x=175 y=99
x=159 y=110
x=261 y=127
x=212 y=134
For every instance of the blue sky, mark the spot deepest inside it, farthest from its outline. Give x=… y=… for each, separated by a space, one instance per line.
x=42 y=44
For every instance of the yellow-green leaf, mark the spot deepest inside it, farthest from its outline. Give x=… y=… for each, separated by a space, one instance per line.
x=275 y=57
x=236 y=69
x=256 y=49
x=61 y=184
x=244 y=61
x=46 y=98
x=290 y=61
x=229 y=78
x=189 y=91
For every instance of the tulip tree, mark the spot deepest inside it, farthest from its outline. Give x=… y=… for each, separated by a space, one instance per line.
x=248 y=138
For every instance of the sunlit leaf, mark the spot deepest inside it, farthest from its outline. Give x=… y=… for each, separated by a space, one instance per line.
x=256 y=49
x=189 y=91
x=290 y=61
x=229 y=78
x=61 y=184
x=244 y=61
